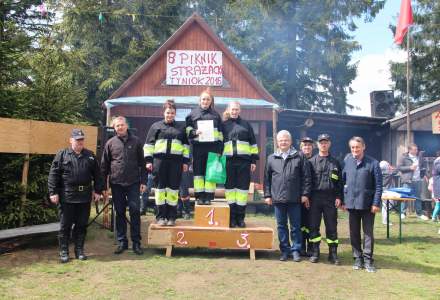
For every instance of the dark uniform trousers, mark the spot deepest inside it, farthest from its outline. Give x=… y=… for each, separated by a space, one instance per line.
x=203 y=189
x=76 y=215
x=238 y=178
x=323 y=204
x=305 y=229
x=167 y=175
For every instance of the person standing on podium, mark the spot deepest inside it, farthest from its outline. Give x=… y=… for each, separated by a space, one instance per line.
x=166 y=152
x=241 y=151
x=204 y=129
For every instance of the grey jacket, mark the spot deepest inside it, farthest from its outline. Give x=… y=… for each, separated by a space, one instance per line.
x=436 y=178
x=287 y=180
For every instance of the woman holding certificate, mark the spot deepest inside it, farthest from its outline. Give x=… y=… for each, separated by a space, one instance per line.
x=166 y=152
x=241 y=153
x=205 y=132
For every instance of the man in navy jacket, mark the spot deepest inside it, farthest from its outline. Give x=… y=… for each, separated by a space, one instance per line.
x=362 y=179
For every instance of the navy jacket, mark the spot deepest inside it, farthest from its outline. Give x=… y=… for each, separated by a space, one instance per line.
x=362 y=183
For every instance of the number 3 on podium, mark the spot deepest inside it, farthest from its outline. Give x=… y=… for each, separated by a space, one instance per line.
x=244 y=243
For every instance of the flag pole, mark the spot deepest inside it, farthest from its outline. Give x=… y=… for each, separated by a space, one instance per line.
x=408 y=73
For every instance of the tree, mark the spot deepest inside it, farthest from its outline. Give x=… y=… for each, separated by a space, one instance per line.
x=300 y=50
x=112 y=39
x=424 y=58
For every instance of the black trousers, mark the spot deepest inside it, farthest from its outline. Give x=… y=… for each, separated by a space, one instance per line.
x=124 y=196
x=364 y=218
x=167 y=174
x=323 y=205
x=305 y=224
x=76 y=215
x=202 y=188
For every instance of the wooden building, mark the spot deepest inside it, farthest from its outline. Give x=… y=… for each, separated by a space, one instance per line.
x=424 y=131
x=340 y=127
x=192 y=59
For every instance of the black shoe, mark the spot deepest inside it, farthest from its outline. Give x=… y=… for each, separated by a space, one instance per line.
x=233 y=223
x=64 y=256
x=121 y=248
x=79 y=254
x=200 y=201
x=241 y=224
x=207 y=202
x=137 y=249
x=333 y=255
x=314 y=259
x=296 y=256
x=358 y=264
x=284 y=257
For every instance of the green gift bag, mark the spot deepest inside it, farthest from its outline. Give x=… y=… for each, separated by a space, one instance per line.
x=216 y=168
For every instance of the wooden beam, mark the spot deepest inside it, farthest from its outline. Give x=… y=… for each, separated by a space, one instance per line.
x=24 y=181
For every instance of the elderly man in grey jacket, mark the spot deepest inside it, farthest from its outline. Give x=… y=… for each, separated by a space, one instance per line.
x=287 y=185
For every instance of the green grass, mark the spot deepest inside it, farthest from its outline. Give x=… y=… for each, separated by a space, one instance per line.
x=410 y=270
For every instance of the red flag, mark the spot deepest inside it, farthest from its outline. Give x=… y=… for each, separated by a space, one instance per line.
x=405 y=19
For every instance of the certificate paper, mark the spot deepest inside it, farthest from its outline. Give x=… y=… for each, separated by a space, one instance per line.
x=207 y=130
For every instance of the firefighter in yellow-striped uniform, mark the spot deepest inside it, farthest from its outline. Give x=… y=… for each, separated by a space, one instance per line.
x=166 y=152
x=241 y=151
x=204 y=190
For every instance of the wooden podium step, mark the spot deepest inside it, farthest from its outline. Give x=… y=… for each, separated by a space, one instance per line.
x=214 y=215
x=186 y=235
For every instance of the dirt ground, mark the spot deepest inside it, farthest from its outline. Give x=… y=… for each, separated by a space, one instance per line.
x=410 y=270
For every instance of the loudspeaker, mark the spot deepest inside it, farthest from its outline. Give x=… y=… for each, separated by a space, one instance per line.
x=383 y=104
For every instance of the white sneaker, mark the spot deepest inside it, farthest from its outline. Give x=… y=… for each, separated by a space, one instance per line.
x=402 y=216
x=423 y=217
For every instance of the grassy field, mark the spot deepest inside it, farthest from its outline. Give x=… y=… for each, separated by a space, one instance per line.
x=410 y=270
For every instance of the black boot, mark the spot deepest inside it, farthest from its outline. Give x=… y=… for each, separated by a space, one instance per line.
x=186 y=209
x=64 y=249
x=241 y=212
x=232 y=215
x=315 y=253
x=79 y=247
x=303 y=251
x=200 y=199
x=333 y=254
x=207 y=199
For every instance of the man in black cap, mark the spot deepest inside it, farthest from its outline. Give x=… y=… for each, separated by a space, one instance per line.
x=326 y=198
x=306 y=147
x=74 y=178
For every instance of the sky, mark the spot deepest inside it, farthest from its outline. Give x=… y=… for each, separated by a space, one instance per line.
x=373 y=59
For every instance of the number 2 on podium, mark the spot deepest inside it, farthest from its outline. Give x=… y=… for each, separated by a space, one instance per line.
x=180 y=238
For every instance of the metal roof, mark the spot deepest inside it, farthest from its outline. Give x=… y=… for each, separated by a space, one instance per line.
x=187 y=101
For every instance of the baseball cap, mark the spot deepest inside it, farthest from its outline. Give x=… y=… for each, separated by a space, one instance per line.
x=323 y=136
x=77 y=134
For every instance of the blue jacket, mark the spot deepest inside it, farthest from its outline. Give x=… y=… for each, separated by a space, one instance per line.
x=362 y=183
x=436 y=178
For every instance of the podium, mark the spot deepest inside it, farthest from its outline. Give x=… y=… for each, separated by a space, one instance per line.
x=210 y=229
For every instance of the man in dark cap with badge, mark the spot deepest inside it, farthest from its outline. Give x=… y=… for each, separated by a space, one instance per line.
x=306 y=147
x=326 y=198
x=74 y=179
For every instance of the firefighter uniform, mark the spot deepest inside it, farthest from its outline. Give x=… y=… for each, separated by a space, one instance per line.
x=241 y=150
x=305 y=227
x=326 y=187
x=74 y=177
x=204 y=190
x=167 y=148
